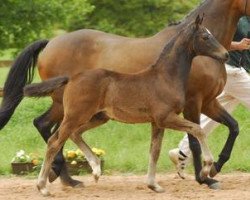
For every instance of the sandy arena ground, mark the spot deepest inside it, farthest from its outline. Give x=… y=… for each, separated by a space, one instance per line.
x=233 y=186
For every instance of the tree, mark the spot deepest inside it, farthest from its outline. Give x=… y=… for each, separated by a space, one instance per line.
x=22 y=22
x=134 y=17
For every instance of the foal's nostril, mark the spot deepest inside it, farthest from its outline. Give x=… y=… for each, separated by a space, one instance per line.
x=226 y=55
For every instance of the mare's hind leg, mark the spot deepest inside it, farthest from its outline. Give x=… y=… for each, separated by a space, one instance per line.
x=94 y=161
x=175 y=122
x=155 y=148
x=216 y=112
x=44 y=124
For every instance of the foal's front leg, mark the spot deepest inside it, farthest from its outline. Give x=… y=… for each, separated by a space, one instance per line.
x=95 y=163
x=155 y=148
x=174 y=121
x=91 y=157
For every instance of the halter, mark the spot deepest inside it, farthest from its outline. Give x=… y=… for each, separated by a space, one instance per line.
x=246 y=8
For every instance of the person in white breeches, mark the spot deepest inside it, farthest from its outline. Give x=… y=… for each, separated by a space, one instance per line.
x=236 y=91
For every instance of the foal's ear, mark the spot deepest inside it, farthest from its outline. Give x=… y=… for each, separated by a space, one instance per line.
x=201 y=20
x=198 y=20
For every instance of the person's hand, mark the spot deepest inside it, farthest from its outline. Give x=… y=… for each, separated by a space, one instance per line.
x=241 y=45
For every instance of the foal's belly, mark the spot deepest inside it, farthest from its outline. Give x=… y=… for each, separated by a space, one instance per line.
x=139 y=115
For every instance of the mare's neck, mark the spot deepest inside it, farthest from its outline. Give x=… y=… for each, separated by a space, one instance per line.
x=221 y=18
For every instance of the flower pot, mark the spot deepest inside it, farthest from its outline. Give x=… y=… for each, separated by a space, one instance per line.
x=81 y=167
x=22 y=168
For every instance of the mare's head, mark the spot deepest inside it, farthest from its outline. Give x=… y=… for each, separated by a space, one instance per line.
x=203 y=42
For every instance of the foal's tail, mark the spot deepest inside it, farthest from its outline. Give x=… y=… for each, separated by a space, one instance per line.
x=45 y=88
x=20 y=74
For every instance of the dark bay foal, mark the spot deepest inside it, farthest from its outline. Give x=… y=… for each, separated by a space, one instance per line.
x=155 y=95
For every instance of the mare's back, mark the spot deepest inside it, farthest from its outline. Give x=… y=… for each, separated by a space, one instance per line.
x=87 y=49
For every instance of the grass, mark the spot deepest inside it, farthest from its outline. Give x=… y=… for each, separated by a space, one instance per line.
x=126 y=145
x=7 y=54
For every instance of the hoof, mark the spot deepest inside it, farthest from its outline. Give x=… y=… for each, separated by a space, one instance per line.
x=43 y=191
x=211 y=183
x=96 y=177
x=203 y=176
x=156 y=188
x=73 y=183
x=181 y=175
x=215 y=186
x=79 y=184
x=66 y=180
x=52 y=176
x=213 y=172
x=96 y=171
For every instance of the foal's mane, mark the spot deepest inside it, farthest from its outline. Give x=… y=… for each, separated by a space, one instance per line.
x=193 y=11
x=170 y=44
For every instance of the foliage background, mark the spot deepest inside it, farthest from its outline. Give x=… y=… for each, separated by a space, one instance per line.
x=23 y=22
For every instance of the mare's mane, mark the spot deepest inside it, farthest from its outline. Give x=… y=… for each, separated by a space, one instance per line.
x=174 y=23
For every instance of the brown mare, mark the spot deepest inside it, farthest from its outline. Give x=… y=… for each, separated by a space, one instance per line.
x=88 y=49
x=162 y=90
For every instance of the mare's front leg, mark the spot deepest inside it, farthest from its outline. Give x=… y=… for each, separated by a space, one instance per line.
x=216 y=112
x=93 y=160
x=192 y=113
x=155 y=148
x=173 y=121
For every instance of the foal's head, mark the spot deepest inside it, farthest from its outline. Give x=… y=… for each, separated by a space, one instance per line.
x=204 y=43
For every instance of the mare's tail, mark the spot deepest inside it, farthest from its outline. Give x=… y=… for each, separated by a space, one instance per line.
x=45 y=88
x=20 y=74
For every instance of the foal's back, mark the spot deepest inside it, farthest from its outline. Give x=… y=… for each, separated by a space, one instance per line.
x=123 y=97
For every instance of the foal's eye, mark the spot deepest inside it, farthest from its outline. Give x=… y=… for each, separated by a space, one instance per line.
x=205 y=37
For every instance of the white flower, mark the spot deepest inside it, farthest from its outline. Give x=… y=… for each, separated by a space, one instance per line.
x=20 y=153
x=73 y=162
x=21 y=157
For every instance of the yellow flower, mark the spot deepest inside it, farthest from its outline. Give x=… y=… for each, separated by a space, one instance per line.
x=79 y=152
x=102 y=152
x=98 y=152
x=71 y=154
x=35 y=162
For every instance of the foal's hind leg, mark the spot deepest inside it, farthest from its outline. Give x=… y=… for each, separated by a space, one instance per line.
x=94 y=161
x=73 y=123
x=55 y=143
x=216 y=112
x=44 y=124
x=155 y=148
